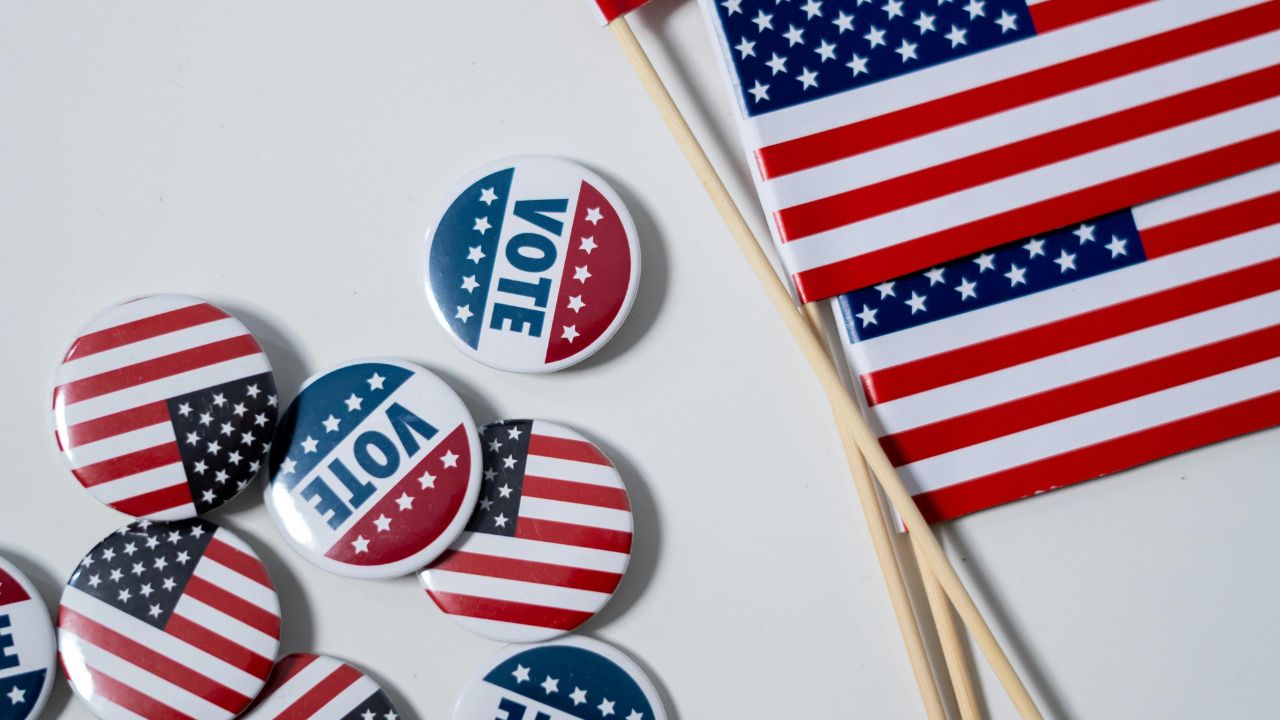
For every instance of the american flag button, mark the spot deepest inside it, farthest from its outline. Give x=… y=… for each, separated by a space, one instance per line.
x=573 y=678
x=374 y=469
x=548 y=542
x=532 y=264
x=26 y=647
x=163 y=407
x=173 y=619
x=303 y=686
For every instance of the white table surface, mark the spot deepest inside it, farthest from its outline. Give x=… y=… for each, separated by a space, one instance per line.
x=281 y=159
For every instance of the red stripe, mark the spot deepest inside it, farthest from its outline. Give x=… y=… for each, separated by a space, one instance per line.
x=237 y=607
x=155 y=501
x=528 y=571
x=284 y=671
x=117 y=423
x=151 y=661
x=993 y=98
x=1005 y=161
x=566 y=449
x=143 y=329
x=575 y=492
x=139 y=703
x=1077 y=398
x=569 y=534
x=1054 y=14
x=1100 y=459
x=240 y=561
x=988 y=356
x=128 y=464
x=1213 y=225
x=158 y=368
x=321 y=693
x=232 y=653
x=903 y=257
x=509 y=611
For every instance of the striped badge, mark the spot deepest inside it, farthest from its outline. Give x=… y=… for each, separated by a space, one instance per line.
x=26 y=647
x=548 y=543
x=317 y=687
x=164 y=406
x=169 y=620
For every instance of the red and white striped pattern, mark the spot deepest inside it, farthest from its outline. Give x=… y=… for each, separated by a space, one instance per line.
x=315 y=687
x=1121 y=103
x=210 y=661
x=1095 y=376
x=571 y=547
x=109 y=403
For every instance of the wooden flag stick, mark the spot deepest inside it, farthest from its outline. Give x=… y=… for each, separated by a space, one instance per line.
x=952 y=642
x=825 y=370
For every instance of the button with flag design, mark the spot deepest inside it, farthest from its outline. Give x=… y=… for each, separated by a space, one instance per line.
x=532 y=264
x=374 y=469
x=26 y=647
x=164 y=406
x=548 y=542
x=304 y=686
x=169 y=619
x=573 y=678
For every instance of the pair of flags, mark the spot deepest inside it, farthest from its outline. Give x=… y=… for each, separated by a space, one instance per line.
x=1048 y=228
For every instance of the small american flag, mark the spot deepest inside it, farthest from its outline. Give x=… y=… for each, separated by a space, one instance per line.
x=1079 y=352
x=891 y=135
x=169 y=619
x=609 y=10
x=164 y=406
x=316 y=687
x=548 y=543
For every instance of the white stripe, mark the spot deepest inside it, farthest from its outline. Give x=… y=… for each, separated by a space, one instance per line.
x=79 y=651
x=590 y=473
x=549 y=429
x=212 y=619
x=178 y=512
x=143 y=307
x=516 y=591
x=1081 y=364
x=139 y=483
x=1026 y=188
x=210 y=665
x=242 y=587
x=347 y=700
x=162 y=389
x=150 y=349
x=575 y=513
x=1066 y=300
x=1233 y=190
x=545 y=552
x=296 y=687
x=985 y=67
x=122 y=444
x=1020 y=123
x=1093 y=427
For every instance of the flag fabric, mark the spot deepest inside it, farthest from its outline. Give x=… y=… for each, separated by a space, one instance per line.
x=1078 y=352
x=26 y=647
x=887 y=137
x=548 y=543
x=164 y=407
x=609 y=10
x=169 y=619
x=303 y=686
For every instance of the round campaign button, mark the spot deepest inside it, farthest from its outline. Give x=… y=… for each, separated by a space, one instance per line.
x=26 y=647
x=304 y=686
x=374 y=469
x=164 y=406
x=532 y=264
x=548 y=542
x=169 y=619
x=573 y=678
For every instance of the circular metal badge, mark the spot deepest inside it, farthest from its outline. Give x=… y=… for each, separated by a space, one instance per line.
x=375 y=469
x=27 y=648
x=169 y=619
x=163 y=406
x=303 y=686
x=532 y=264
x=548 y=542
x=573 y=678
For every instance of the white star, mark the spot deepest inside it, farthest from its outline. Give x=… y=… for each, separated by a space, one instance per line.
x=427 y=481
x=812 y=9
x=271 y=400
x=145 y=590
x=482 y=225
x=759 y=91
x=490 y=474
x=390 y=715
x=594 y=216
x=368 y=714
x=844 y=22
x=575 y=303
x=469 y=283
x=219 y=399
x=1084 y=232
x=508 y=462
x=495 y=445
x=94 y=581
x=183 y=558
x=174 y=537
x=353 y=402
x=487 y=195
x=826 y=51
x=807 y=79
x=500 y=520
x=205 y=418
x=1035 y=246
x=570 y=333
x=154 y=611
x=405 y=501
x=505 y=490
x=450 y=459
x=161 y=563
x=475 y=254
x=1117 y=247
x=907 y=50
x=360 y=544
x=252 y=391
x=957 y=36
x=239 y=410
x=309 y=445
x=1016 y=275
x=794 y=36
x=858 y=65
x=331 y=424
x=580 y=273
x=485 y=504
x=184 y=409
x=208 y=496
x=200 y=467
x=375 y=381
x=886 y=289
x=288 y=465
x=521 y=673
x=732 y=7
x=588 y=244
x=578 y=695
x=875 y=36
x=197 y=531
x=514 y=434
x=169 y=584
x=924 y=22
x=192 y=438
x=226 y=428
x=967 y=289
x=605 y=707
x=383 y=523
x=635 y=715
x=986 y=261
x=777 y=63
x=1007 y=21
x=916 y=302
x=935 y=276
x=868 y=316
x=893 y=8
x=214 y=447
x=124 y=595
x=108 y=554
x=1066 y=261
x=974 y=8
x=116 y=575
x=260 y=419
x=550 y=685
x=763 y=21
x=464 y=313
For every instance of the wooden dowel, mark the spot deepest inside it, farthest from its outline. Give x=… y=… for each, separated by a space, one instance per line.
x=952 y=643
x=825 y=370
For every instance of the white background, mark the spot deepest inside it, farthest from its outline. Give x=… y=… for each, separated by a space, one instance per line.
x=281 y=159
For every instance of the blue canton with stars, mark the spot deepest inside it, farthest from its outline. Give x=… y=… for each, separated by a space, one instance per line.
x=573 y=680
x=1005 y=272
x=786 y=52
